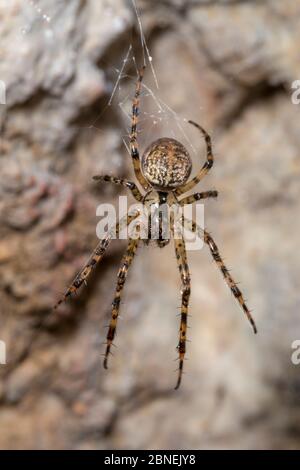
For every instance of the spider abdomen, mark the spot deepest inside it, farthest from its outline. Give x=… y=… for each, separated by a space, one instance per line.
x=166 y=164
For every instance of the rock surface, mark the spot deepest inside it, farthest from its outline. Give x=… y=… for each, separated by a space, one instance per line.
x=228 y=65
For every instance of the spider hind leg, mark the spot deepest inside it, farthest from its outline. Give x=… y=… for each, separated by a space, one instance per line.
x=97 y=255
x=122 y=275
x=209 y=241
x=185 y=296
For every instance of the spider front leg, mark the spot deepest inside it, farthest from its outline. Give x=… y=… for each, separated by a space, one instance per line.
x=122 y=275
x=133 y=135
x=206 y=167
x=207 y=238
x=96 y=257
x=197 y=196
x=185 y=292
x=128 y=184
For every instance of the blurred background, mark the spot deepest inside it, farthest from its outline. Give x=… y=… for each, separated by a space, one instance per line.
x=69 y=68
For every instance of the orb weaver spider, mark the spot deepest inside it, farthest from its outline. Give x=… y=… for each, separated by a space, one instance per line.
x=163 y=173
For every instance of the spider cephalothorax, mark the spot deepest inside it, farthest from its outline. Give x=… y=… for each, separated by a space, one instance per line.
x=166 y=164
x=166 y=167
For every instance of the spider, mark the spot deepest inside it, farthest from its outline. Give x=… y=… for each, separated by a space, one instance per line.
x=163 y=173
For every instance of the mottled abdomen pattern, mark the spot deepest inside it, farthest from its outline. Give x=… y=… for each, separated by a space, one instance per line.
x=166 y=164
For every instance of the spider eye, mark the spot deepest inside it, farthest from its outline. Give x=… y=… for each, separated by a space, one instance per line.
x=166 y=164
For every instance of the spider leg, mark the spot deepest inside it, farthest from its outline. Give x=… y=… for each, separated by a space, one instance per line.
x=96 y=257
x=197 y=196
x=207 y=238
x=122 y=275
x=185 y=292
x=206 y=167
x=133 y=135
x=128 y=184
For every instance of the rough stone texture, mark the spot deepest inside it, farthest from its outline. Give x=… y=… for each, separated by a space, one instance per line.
x=228 y=65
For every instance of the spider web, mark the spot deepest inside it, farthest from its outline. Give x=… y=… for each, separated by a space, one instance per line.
x=156 y=117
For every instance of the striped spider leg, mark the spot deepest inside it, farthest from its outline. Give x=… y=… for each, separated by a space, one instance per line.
x=209 y=241
x=185 y=295
x=122 y=275
x=204 y=170
x=133 y=135
x=95 y=258
x=127 y=184
x=198 y=196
